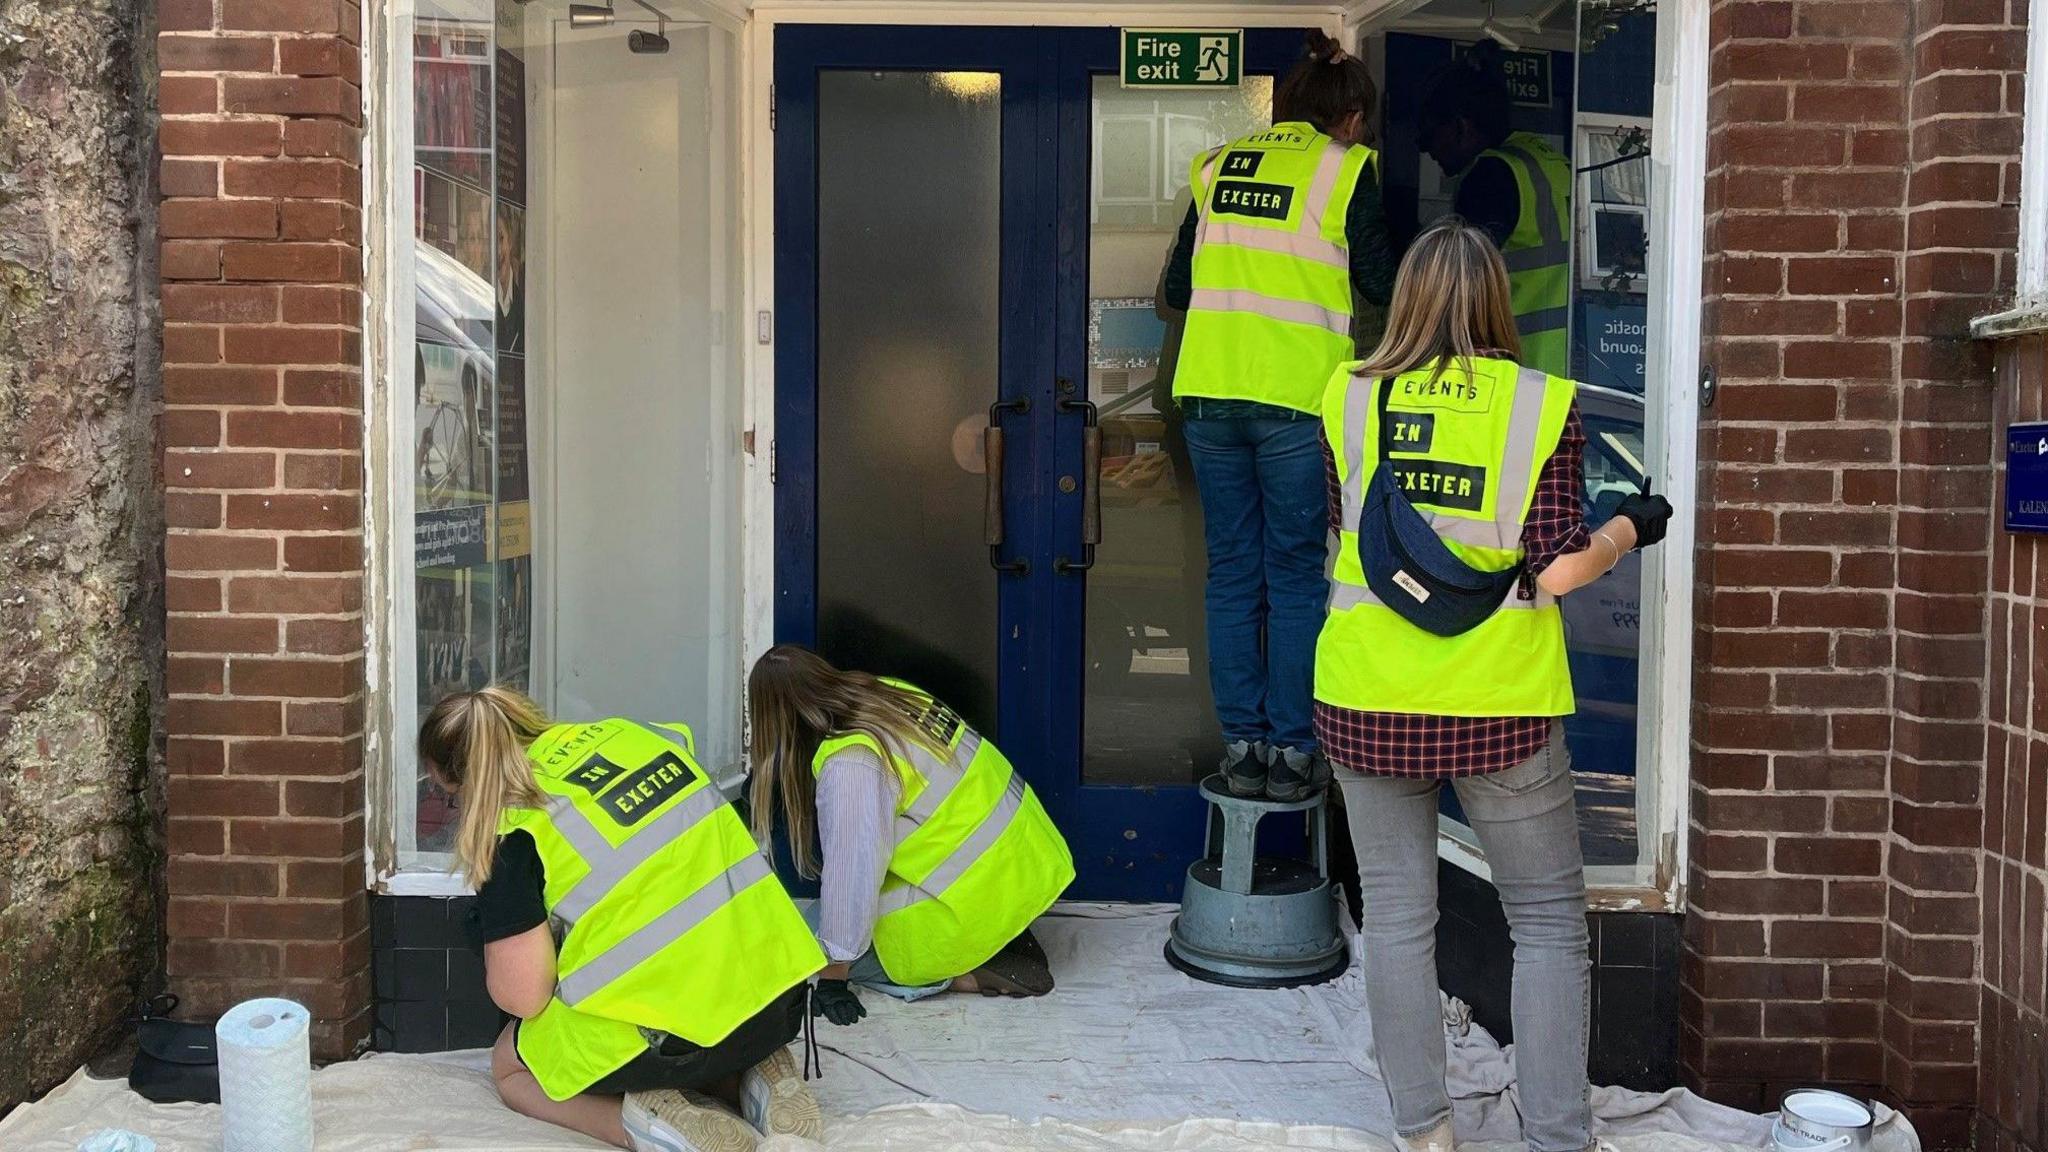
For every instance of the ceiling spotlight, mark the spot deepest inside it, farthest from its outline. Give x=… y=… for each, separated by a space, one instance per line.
x=647 y=43
x=590 y=15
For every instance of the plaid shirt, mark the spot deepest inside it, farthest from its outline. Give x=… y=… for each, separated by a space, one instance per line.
x=1406 y=744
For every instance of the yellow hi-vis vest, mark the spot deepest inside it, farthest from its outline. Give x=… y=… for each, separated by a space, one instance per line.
x=976 y=858
x=1539 y=251
x=1271 y=311
x=675 y=920
x=1467 y=450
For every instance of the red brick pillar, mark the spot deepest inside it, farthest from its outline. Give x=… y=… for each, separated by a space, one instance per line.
x=1784 y=975
x=263 y=438
x=1961 y=231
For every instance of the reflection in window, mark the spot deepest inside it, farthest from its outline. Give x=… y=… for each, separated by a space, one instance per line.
x=1148 y=716
x=471 y=540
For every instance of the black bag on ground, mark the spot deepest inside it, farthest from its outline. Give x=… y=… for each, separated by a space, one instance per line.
x=1409 y=567
x=176 y=1061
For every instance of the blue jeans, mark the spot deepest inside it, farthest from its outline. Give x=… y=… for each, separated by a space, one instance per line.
x=1265 y=521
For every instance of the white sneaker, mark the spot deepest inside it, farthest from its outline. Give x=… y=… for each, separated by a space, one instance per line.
x=672 y=1121
x=777 y=1102
x=1437 y=1139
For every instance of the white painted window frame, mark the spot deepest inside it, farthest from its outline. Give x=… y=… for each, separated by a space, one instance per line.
x=1678 y=167
x=2029 y=310
x=2033 y=253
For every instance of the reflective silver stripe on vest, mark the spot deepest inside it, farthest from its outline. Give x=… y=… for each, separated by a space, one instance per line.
x=1552 y=248
x=1347 y=596
x=610 y=865
x=1542 y=320
x=1322 y=187
x=972 y=849
x=1302 y=245
x=941 y=777
x=650 y=938
x=1271 y=307
x=1518 y=461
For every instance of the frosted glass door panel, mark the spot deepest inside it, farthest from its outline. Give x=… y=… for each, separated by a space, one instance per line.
x=909 y=234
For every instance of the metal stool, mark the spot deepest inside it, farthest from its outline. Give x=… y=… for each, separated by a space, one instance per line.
x=1254 y=921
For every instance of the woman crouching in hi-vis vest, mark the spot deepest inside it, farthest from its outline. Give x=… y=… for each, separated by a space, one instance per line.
x=936 y=855
x=1455 y=489
x=632 y=925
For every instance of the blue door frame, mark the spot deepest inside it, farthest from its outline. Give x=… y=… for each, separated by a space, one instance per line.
x=1129 y=842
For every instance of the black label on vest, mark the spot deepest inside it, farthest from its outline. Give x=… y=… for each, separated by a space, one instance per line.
x=647 y=789
x=1412 y=431
x=1242 y=163
x=593 y=774
x=1439 y=482
x=1243 y=198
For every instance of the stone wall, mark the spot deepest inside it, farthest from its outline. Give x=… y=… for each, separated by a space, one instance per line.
x=80 y=606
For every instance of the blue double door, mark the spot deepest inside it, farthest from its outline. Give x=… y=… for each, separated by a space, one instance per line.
x=979 y=483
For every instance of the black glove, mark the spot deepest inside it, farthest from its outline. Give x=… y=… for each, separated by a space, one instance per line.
x=1650 y=514
x=835 y=1001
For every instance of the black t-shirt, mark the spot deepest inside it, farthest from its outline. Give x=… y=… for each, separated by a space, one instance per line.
x=1489 y=198
x=511 y=901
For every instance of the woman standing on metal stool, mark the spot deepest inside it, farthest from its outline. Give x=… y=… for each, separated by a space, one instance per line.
x=1455 y=489
x=936 y=855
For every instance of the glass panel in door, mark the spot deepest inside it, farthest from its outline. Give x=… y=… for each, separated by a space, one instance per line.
x=1148 y=717
x=909 y=240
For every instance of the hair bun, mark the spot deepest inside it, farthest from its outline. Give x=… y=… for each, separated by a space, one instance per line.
x=1324 y=48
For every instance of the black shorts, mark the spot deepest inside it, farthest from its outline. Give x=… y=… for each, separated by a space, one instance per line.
x=677 y=1063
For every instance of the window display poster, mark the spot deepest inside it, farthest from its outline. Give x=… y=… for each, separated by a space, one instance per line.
x=513 y=657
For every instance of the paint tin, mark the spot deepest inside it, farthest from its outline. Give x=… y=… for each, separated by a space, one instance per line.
x=1817 y=1120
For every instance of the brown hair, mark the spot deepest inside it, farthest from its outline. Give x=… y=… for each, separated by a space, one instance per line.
x=475 y=742
x=1326 y=85
x=1451 y=302
x=796 y=701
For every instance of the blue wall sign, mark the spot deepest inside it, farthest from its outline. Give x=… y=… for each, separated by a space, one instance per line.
x=1613 y=339
x=2026 y=478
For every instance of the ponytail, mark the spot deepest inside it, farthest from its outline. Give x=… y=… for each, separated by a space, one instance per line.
x=476 y=742
x=1325 y=87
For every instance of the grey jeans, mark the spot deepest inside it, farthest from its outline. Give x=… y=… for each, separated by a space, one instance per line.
x=1527 y=821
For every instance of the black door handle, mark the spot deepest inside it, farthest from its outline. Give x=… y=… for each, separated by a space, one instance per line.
x=1091 y=484
x=992 y=468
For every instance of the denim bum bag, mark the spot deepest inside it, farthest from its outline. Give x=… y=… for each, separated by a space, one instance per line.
x=1408 y=567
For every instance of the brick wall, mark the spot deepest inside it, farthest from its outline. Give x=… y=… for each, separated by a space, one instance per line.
x=1858 y=216
x=261 y=268
x=2014 y=1085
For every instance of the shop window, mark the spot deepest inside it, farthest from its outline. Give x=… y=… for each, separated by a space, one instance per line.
x=1583 y=80
x=562 y=454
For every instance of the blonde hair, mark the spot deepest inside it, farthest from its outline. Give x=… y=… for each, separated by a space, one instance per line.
x=797 y=700
x=1451 y=302
x=476 y=743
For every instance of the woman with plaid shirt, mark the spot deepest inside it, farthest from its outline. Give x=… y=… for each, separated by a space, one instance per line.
x=1451 y=331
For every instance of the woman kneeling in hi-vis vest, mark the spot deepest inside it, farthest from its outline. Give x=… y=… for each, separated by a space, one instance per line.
x=632 y=925
x=1486 y=453
x=936 y=855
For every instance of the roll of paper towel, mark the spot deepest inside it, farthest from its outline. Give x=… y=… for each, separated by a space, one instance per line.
x=266 y=1077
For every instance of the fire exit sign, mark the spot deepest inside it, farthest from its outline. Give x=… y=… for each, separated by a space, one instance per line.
x=1528 y=77
x=1183 y=57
